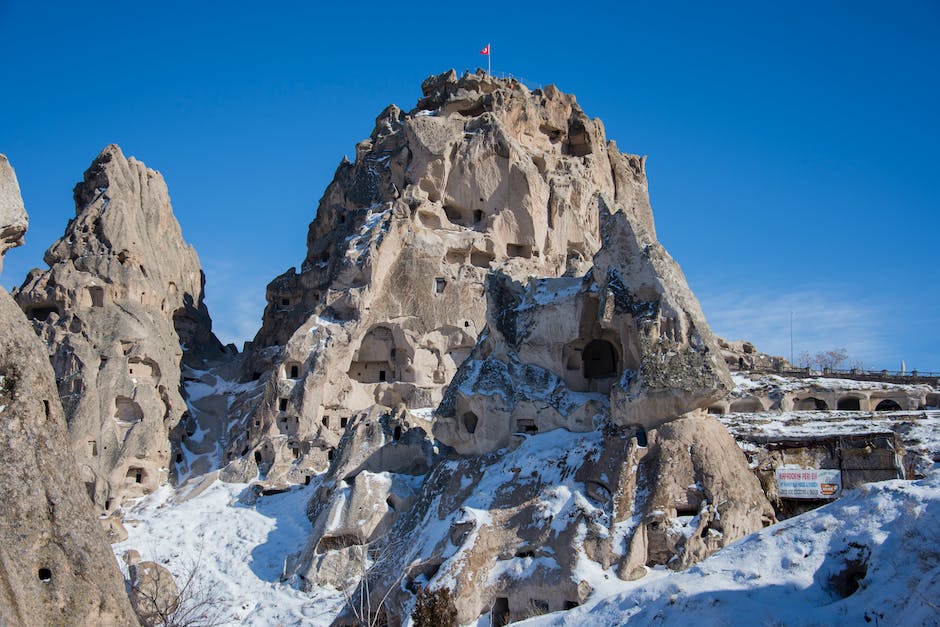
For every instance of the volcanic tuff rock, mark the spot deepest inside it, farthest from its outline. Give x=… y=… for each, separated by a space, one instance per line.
x=442 y=225
x=483 y=176
x=524 y=530
x=55 y=564
x=122 y=293
x=628 y=339
x=13 y=218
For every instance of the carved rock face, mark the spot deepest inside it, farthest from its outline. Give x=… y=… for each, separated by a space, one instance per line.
x=122 y=294
x=483 y=176
x=440 y=227
x=13 y=218
x=55 y=563
x=536 y=526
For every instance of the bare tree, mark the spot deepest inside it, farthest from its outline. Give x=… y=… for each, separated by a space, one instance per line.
x=830 y=359
x=161 y=601
x=823 y=360
x=805 y=360
x=365 y=602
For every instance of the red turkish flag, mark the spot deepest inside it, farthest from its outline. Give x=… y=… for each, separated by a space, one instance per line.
x=485 y=50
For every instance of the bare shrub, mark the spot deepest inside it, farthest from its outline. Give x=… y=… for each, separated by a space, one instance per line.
x=161 y=601
x=434 y=608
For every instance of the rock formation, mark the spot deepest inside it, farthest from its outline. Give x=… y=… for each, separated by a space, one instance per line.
x=482 y=176
x=55 y=564
x=756 y=392
x=119 y=305
x=13 y=218
x=743 y=355
x=558 y=352
x=569 y=435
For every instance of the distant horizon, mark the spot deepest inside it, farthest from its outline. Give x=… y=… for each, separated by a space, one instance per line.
x=792 y=162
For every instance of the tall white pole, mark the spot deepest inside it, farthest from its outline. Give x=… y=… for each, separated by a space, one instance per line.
x=489 y=59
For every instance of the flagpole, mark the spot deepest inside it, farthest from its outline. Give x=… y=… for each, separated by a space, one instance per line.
x=489 y=59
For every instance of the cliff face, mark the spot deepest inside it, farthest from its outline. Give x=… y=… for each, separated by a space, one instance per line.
x=55 y=564
x=486 y=276
x=484 y=176
x=13 y=218
x=120 y=302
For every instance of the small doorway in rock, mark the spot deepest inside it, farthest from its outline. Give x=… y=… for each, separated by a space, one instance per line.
x=97 y=296
x=600 y=360
x=500 y=613
x=470 y=421
x=640 y=433
x=136 y=473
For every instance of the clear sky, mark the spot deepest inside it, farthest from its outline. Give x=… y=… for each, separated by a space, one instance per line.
x=793 y=146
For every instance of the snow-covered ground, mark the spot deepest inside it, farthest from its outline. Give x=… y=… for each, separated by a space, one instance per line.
x=781 y=576
x=237 y=549
x=883 y=538
x=787 y=574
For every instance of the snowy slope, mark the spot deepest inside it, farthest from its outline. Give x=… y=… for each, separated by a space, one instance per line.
x=788 y=574
x=238 y=549
x=780 y=576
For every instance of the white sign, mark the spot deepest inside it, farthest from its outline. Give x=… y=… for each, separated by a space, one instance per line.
x=808 y=483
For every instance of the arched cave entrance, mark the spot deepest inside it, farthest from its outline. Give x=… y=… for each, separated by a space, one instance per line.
x=888 y=405
x=849 y=403
x=600 y=360
x=810 y=404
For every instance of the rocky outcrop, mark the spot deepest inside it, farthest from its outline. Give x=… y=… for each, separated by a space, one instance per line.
x=483 y=176
x=152 y=590
x=570 y=443
x=118 y=307
x=627 y=340
x=55 y=564
x=760 y=392
x=373 y=478
x=743 y=355
x=13 y=218
x=538 y=527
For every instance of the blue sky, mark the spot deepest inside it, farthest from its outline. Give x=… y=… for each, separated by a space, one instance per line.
x=792 y=147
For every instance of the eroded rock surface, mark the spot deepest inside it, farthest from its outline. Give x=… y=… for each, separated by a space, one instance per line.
x=55 y=564
x=570 y=443
x=482 y=176
x=535 y=528
x=13 y=218
x=120 y=302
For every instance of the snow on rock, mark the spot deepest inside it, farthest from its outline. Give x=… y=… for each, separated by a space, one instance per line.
x=236 y=549
x=872 y=557
x=919 y=431
x=745 y=384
